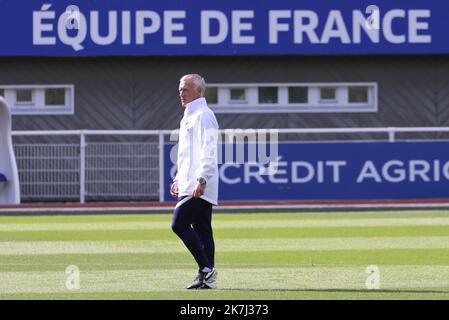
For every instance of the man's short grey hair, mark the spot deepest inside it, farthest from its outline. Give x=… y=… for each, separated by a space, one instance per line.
x=198 y=81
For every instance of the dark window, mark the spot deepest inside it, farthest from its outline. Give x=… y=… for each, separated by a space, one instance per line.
x=24 y=95
x=55 y=97
x=298 y=95
x=2 y=92
x=327 y=94
x=358 y=94
x=211 y=95
x=268 y=95
x=238 y=94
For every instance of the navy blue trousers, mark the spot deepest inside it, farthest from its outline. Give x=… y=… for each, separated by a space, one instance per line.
x=192 y=223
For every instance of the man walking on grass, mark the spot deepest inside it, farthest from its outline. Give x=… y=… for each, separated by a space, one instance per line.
x=196 y=182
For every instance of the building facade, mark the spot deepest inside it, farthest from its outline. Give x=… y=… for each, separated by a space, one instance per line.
x=140 y=93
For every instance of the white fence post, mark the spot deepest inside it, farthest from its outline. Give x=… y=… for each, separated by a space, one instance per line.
x=161 y=167
x=82 y=167
x=391 y=134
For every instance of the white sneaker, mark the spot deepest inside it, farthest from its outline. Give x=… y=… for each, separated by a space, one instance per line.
x=210 y=281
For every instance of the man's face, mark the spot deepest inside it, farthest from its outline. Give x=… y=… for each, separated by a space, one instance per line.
x=188 y=92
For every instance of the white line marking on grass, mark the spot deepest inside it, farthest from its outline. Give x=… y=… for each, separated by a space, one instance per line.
x=222 y=245
x=251 y=224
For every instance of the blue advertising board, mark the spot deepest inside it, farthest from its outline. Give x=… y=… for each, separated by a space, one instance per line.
x=336 y=171
x=211 y=27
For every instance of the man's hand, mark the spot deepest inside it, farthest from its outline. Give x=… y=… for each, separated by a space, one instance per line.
x=199 y=190
x=174 y=189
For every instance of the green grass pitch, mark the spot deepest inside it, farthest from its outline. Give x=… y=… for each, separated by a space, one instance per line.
x=303 y=255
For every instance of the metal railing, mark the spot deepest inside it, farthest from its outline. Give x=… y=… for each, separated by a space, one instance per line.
x=105 y=165
x=97 y=165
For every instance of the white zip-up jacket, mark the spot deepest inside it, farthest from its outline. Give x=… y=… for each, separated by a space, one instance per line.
x=197 y=151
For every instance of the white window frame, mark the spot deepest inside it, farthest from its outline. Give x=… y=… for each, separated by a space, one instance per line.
x=314 y=104
x=38 y=106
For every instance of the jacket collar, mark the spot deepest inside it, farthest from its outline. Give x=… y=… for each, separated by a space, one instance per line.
x=195 y=105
